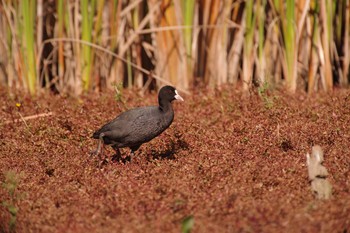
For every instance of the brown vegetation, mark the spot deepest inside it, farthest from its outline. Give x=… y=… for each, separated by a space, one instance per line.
x=73 y=46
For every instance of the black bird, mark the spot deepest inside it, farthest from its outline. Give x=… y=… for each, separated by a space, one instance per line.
x=139 y=125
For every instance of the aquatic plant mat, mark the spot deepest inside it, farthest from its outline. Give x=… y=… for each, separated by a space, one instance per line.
x=226 y=164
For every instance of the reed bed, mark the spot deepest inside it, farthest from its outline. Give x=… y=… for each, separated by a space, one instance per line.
x=71 y=46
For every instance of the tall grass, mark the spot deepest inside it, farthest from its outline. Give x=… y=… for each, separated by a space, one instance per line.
x=60 y=25
x=326 y=10
x=261 y=65
x=299 y=45
x=87 y=14
x=28 y=44
x=188 y=11
x=289 y=36
x=249 y=48
x=314 y=59
x=344 y=23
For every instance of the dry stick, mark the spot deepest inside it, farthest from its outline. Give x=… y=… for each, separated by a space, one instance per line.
x=110 y=53
x=130 y=7
x=25 y=123
x=29 y=118
x=40 y=20
x=302 y=19
x=46 y=62
x=168 y=28
x=133 y=36
x=146 y=31
x=278 y=131
x=180 y=27
x=337 y=61
x=346 y=58
x=149 y=80
x=15 y=51
x=235 y=52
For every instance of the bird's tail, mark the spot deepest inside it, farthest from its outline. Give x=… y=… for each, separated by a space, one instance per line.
x=96 y=135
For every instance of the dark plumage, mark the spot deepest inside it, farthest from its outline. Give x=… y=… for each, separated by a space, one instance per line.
x=139 y=125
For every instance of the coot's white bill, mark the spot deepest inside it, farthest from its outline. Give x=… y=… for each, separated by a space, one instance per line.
x=177 y=96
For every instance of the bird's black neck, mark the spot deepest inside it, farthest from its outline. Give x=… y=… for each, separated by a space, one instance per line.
x=164 y=105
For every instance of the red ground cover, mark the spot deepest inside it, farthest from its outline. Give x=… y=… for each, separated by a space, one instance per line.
x=235 y=164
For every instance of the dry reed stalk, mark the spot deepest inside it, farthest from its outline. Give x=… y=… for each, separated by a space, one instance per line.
x=97 y=39
x=203 y=39
x=249 y=51
x=166 y=42
x=303 y=7
x=182 y=79
x=326 y=67
x=116 y=25
x=129 y=44
x=108 y=52
x=261 y=63
x=184 y=14
x=314 y=58
x=135 y=35
x=236 y=47
x=188 y=38
x=272 y=49
x=219 y=46
x=190 y=12
x=136 y=51
x=39 y=16
x=5 y=48
x=60 y=23
x=212 y=42
x=132 y=45
x=346 y=48
x=78 y=51
x=15 y=65
x=303 y=41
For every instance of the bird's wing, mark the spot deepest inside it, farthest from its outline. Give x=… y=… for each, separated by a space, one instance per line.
x=125 y=123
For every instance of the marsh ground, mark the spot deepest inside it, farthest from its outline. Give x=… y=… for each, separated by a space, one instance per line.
x=235 y=164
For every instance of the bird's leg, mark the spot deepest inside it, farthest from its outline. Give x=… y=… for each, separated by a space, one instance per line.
x=132 y=152
x=99 y=146
x=117 y=156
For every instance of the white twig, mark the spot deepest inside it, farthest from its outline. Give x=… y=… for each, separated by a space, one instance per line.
x=29 y=118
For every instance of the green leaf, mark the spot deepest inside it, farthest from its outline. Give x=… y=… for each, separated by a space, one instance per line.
x=187 y=224
x=13 y=210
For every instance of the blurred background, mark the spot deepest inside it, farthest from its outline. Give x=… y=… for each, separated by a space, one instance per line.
x=72 y=46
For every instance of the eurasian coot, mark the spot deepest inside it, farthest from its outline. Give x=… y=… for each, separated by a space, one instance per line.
x=139 y=125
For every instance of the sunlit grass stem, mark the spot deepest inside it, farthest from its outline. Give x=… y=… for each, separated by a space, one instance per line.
x=289 y=37
x=248 y=48
x=86 y=35
x=60 y=24
x=28 y=9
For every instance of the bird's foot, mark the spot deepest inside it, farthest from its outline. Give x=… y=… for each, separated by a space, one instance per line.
x=116 y=158
x=102 y=162
x=95 y=152
x=127 y=159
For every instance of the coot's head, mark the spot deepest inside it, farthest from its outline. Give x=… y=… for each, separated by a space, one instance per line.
x=168 y=94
